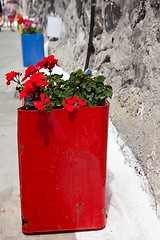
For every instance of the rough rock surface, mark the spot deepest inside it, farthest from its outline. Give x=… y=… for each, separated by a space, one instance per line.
x=126 y=50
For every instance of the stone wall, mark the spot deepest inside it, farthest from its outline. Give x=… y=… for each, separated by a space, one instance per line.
x=40 y=10
x=126 y=50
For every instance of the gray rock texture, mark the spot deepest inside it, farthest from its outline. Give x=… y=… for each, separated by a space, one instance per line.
x=126 y=50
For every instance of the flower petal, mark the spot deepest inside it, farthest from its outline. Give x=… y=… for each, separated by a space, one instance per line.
x=74 y=100
x=39 y=105
x=81 y=103
x=42 y=96
x=68 y=101
x=22 y=94
x=47 y=100
x=70 y=108
x=41 y=83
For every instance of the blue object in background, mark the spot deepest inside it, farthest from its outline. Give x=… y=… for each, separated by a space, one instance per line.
x=32 y=48
x=88 y=71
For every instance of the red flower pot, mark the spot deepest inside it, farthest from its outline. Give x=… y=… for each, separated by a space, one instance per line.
x=62 y=168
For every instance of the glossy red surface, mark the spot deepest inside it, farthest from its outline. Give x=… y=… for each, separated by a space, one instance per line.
x=62 y=168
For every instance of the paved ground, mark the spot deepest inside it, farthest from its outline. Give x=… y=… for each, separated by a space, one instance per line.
x=129 y=213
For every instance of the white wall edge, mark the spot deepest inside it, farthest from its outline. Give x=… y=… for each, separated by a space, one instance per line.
x=134 y=164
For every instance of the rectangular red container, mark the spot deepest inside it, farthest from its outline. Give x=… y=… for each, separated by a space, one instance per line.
x=62 y=169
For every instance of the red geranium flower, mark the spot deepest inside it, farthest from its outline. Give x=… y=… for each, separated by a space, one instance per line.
x=38 y=79
x=23 y=94
x=40 y=105
x=51 y=61
x=70 y=108
x=19 y=16
x=47 y=63
x=29 y=71
x=29 y=88
x=81 y=103
x=11 y=77
x=41 y=83
x=33 y=85
x=42 y=63
x=69 y=103
x=20 y=20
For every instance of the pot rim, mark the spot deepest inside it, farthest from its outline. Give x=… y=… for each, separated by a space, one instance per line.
x=31 y=33
x=106 y=106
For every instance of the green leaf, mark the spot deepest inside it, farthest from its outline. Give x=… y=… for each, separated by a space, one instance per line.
x=100 y=78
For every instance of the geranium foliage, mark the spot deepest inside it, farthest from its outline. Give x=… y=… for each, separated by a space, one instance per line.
x=50 y=91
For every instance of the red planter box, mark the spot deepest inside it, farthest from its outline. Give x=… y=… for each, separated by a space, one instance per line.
x=62 y=168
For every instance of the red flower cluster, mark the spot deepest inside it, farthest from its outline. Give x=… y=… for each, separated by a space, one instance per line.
x=47 y=63
x=32 y=86
x=21 y=20
x=11 y=77
x=69 y=103
x=37 y=79
x=41 y=105
x=29 y=71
